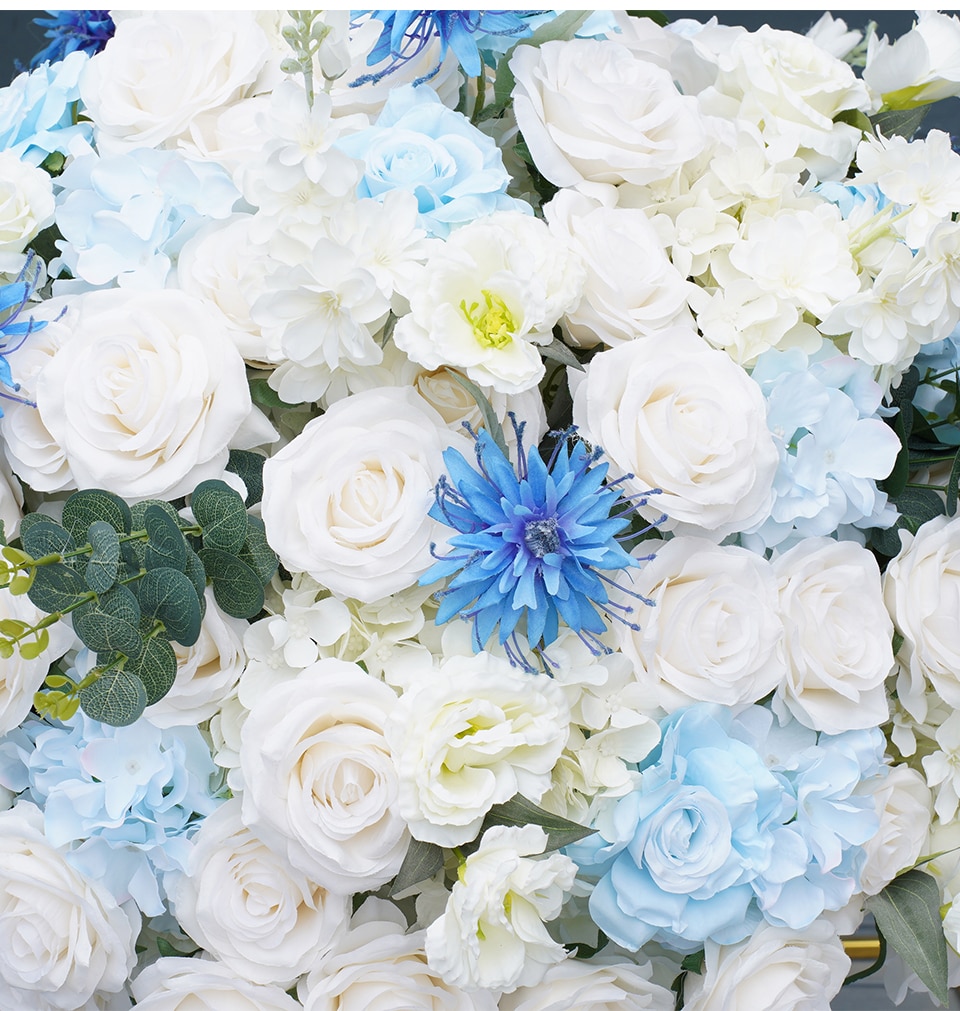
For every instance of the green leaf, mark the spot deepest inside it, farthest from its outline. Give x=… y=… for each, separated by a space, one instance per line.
x=249 y=468
x=422 y=861
x=899 y=122
x=46 y=538
x=91 y=505
x=896 y=480
x=196 y=573
x=952 y=483
x=221 y=512
x=29 y=519
x=907 y=912
x=115 y=698
x=103 y=632
x=559 y=352
x=236 y=587
x=520 y=811
x=166 y=547
x=57 y=587
x=257 y=553
x=155 y=663
x=262 y=394
x=168 y=596
x=918 y=505
x=101 y=570
x=657 y=17
x=490 y=420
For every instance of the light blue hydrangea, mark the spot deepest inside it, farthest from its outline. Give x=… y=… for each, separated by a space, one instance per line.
x=825 y=415
x=419 y=145
x=122 y=801
x=37 y=111
x=736 y=820
x=125 y=217
x=936 y=396
x=851 y=196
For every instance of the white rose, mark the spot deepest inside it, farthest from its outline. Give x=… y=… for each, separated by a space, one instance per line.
x=471 y=735
x=163 y=69
x=11 y=502
x=347 y=499
x=146 y=394
x=198 y=984
x=319 y=780
x=26 y=203
x=593 y=985
x=591 y=111
x=837 y=636
x=921 y=587
x=377 y=964
x=713 y=632
x=492 y=931
x=250 y=908
x=62 y=936
x=774 y=968
x=680 y=416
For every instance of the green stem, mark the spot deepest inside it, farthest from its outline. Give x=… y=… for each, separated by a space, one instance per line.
x=933 y=487
x=481 y=96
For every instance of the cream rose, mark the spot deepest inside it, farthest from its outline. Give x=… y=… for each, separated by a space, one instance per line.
x=245 y=904
x=713 y=632
x=347 y=500
x=26 y=202
x=837 y=636
x=146 y=395
x=63 y=937
x=198 y=984
x=679 y=416
x=595 y=985
x=319 y=780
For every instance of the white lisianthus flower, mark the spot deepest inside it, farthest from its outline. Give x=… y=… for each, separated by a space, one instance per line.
x=165 y=69
x=200 y=984
x=470 y=735
x=487 y=297
x=837 y=636
x=680 y=416
x=63 y=938
x=146 y=394
x=250 y=908
x=713 y=632
x=921 y=66
x=590 y=111
x=347 y=499
x=592 y=985
x=26 y=203
x=320 y=785
x=492 y=931
x=774 y=968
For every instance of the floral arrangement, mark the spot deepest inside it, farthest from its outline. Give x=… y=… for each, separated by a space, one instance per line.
x=478 y=509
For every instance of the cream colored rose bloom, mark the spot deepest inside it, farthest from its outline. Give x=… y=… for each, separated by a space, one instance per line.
x=594 y=985
x=199 y=984
x=26 y=202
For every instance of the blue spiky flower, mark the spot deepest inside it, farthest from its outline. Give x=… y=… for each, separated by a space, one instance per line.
x=532 y=543
x=68 y=31
x=14 y=329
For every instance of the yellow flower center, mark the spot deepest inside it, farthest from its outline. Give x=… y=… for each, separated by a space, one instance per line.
x=493 y=324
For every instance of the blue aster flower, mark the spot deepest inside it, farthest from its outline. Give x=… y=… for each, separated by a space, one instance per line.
x=532 y=543
x=69 y=31
x=406 y=33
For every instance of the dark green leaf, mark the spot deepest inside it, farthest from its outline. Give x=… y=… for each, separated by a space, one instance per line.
x=236 y=587
x=196 y=573
x=139 y=510
x=46 y=537
x=168 y=596
x=854 y=117
x=257 y=553
x=422 y=861
x=249 y=468
x=896 y=481
x=657 y=17
x=166 y=547
x=156 y=666
x=693 y=963
x=57 y=587
x=29 y=519
x=520 y=811
x=952 y=482
x=887 y=542
x=900 y=122
x=262 y=394
x=221 y=512
x=917 y=505
x=559 y=352
x=490 y=420
x=104 y=560
x=907 y=912
x=103 y=632
x=115 y=698
x=91 y=505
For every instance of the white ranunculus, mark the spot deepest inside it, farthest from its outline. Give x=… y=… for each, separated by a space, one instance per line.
x=62 y=936
x=774 y=968
x=681 y=417
x=837 y=636
x=146 y=395
x=249 y=907
x=164 y=68
x=319 y=780
x=591 y=111
x=470 y=735
x=199 y=984
x=713 y=632
x=492 y=932
x=26 y=202
x=378 y=965
x=347 y=499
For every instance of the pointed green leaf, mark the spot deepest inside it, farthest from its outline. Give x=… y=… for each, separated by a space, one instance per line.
x=249 y=468
x=101 y=569
x=115 y=698
x=919 y=505
x=236 y=587
x=92 y=505
x=257 y=553
x=264 y=395
x=490 y=420
x=520 y=811
x=168 y=596
x=952 y=483
x=900 y=122
x=46 y=538
x=559 y=352
x=422 y=861
x=57 y=587
x=221 y=512
x=907 y=912
x=166 y=547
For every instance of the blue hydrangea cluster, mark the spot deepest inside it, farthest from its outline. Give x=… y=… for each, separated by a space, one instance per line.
x=70 y=31
x=123 y=801
x=824 y=411
x=419 y=145
x=936 y=396
x=736 y=820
